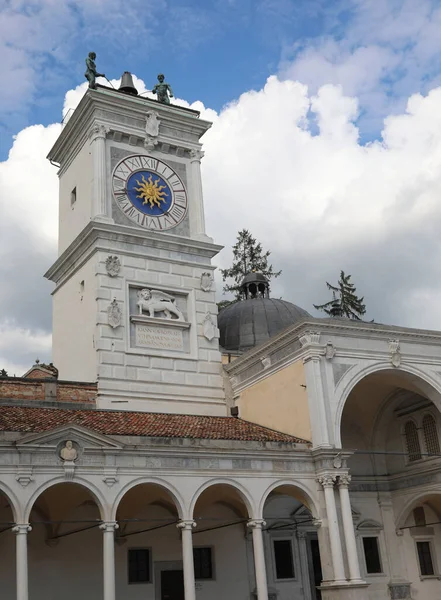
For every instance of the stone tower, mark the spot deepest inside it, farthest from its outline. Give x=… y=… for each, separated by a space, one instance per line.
x=134 y=304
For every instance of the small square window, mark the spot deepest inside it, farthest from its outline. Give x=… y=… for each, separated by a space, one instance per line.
x=203 y=563
x=372 y=555
x=425 y=558
x=139 y=565
x=73 y=196
x=283 y=559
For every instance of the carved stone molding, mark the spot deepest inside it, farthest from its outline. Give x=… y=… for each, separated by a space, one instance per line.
x=24 y=476
x=256 y=523
x=114 y=314
x=107 y=526
x=266 y=362
x=110 y=476
x=329 y=351
x=189 y=525
x=152 y=123
x=98 y=131
x=150 y=143
x=196 y=155
x=395 y=353
x=22 y=529
x=209 y=327
x=344 y=480
x=309 y=337
x=113 y=266
x=69 y=470
x=206 y=281
x=327 y=480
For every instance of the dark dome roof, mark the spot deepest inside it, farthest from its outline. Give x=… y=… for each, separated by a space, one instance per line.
x=247 y=323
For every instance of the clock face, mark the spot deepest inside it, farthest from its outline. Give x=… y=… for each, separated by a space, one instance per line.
x=149 y=192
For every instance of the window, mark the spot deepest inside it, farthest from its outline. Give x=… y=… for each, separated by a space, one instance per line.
x=425 y=558
x=73 y=196
x=283 y=559
x=203 y=563
x=372 y=555
x=412 y=441
x=430 y=435
x=139 y=565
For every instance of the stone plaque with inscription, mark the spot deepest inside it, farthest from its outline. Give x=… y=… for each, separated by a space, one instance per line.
x=159 y=338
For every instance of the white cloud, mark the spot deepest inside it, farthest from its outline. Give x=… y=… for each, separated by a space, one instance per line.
x=289 y=166
x=381 y=52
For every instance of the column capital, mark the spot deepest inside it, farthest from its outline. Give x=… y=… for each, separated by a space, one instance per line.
x=301 y=535
x=344 y=480
x=186 y=524
x=256 y=523
x=21 y=528
x=107 y=526
x=327 y=480
x=196 y=155
x=98 y=131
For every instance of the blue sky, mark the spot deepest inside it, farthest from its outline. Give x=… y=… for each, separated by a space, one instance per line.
x=212 y=50
x=341 y=97
x=209 y=50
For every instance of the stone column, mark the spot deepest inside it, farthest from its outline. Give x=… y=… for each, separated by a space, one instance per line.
x=197 y=216
x=348 y=528
x=314 y=385
x=399 y=585
x=186 y=528
x=109 y=528
x=327 y=481
x=259 y=558
x=100 y=204
x=21 y=566
x=306 y=582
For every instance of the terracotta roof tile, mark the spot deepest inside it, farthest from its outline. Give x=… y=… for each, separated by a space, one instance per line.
x=36 y=419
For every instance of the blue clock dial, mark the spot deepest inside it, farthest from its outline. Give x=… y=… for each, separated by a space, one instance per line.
x=149 y=192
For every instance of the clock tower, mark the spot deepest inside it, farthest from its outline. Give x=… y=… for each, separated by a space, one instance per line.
x=134 y=303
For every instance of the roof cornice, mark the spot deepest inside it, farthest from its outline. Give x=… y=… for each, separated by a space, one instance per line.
x=331 y=327
x=75 y=131
x=95 y=232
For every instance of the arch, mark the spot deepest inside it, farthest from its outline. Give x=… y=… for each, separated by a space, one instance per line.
x=176 y=496
x=90 y=487
x=429 y=386
x=306 y=498
x=238 y=487
x=418 y=497
x=13 y=502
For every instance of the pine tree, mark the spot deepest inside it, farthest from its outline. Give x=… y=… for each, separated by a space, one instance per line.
x=345 y=302
x=248 y=256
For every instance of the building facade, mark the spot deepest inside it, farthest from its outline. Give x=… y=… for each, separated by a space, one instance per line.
x=299 y=460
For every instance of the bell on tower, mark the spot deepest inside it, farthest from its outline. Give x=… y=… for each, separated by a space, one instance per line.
x=127 y=86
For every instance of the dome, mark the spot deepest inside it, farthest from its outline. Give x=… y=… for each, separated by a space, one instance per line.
x=247 y=323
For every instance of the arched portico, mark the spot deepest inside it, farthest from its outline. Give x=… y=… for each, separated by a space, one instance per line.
x=291 y=540
x=154 y=544
x=8 y=515
x=390 y=419
x=409 y=377
x=419 y=531
x=65 y=541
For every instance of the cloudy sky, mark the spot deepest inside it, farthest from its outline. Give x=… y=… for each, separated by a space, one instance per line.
x=326 y=141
